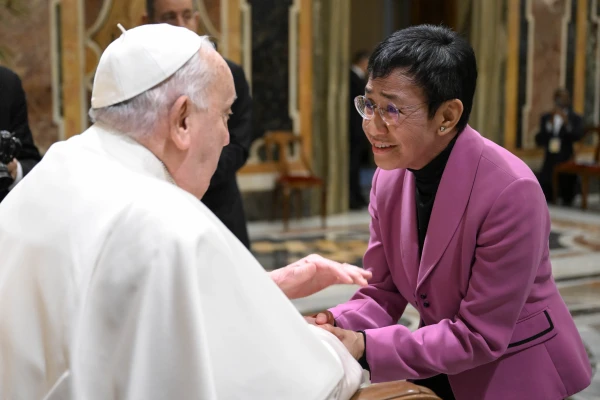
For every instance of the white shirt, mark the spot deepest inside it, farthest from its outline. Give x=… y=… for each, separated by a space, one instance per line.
x=558 y=123
x=116 y=284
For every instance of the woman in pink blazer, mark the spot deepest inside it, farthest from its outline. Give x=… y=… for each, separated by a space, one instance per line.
x=459 y=229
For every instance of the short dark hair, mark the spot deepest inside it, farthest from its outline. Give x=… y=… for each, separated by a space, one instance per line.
x=438 y=60
x=359 y=56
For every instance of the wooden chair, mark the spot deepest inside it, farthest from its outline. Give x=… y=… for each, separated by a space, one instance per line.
x=294 y=176
x=583 y=170
x=401 y=390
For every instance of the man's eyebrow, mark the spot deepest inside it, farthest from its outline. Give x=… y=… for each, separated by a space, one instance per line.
x=168 y=14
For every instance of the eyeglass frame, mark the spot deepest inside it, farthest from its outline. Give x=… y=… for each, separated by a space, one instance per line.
x=380 y=111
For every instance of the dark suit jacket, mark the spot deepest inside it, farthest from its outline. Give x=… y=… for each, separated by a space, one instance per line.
x=571 y=131
x=13 y=118
x=223 y=196
x=357 y=88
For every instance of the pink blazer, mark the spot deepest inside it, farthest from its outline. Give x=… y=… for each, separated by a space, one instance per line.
x=494 y=320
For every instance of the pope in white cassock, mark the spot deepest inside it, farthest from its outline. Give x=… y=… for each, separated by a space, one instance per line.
x=117 y=283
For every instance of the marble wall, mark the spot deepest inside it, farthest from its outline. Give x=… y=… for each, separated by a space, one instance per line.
x=366 y=24
x=545 y=61
x=210 y=11
x=270 y=65
x=27 y=39
x=592 y=72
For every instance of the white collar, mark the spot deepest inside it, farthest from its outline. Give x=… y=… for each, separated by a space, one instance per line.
x=358 y=71
x=129 y=152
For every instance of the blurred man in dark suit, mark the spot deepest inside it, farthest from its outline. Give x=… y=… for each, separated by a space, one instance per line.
x=223 y=197
x=13 y=118
x=559 y=129
x=359 y=144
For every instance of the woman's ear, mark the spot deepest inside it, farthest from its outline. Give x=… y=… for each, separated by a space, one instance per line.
x=179 y=130
x=450 y=113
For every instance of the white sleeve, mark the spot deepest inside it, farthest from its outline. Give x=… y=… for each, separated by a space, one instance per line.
x=353 y=373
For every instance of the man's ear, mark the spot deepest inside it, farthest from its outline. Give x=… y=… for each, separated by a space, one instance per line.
x=449 y=114
x=179 y=129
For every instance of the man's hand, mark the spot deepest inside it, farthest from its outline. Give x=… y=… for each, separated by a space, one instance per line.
x=315 y=273
x=354 y=341
x=12 y=168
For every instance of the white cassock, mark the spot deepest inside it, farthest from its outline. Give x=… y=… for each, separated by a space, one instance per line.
x=116 y=284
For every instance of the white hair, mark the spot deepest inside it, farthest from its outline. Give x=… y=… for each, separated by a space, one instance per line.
x=138 y=117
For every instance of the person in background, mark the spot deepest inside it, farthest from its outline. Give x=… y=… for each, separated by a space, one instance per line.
x=559 y=129
x=13 y=118
x=223 y=196
x=359 y=145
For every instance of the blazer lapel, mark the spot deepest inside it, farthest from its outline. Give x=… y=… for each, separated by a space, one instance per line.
x=451 y=199
x=408 y=226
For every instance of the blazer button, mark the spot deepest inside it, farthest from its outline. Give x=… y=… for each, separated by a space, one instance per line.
x=423 y=296
x=426 y=304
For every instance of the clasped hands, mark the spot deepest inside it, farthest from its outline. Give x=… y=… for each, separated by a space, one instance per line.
x=354 y=341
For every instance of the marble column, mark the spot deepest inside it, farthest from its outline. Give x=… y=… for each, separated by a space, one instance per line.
x=331 y=68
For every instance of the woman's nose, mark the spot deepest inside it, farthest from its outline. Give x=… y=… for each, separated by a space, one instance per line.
x=375 y=127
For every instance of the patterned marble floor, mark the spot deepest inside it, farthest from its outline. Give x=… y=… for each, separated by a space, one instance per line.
x=575 y=253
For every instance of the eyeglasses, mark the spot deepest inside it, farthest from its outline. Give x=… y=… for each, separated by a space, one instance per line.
x=391 y=114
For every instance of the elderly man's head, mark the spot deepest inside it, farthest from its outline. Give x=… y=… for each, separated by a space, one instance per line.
x=173 y=12
x=182 y=120
x=419 y=95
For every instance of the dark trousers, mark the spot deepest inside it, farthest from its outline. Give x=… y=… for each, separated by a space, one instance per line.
x=567 y=188
x=439 y=384
x=358 y=150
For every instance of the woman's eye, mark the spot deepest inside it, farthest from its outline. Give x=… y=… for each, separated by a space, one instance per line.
x=391 y=110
